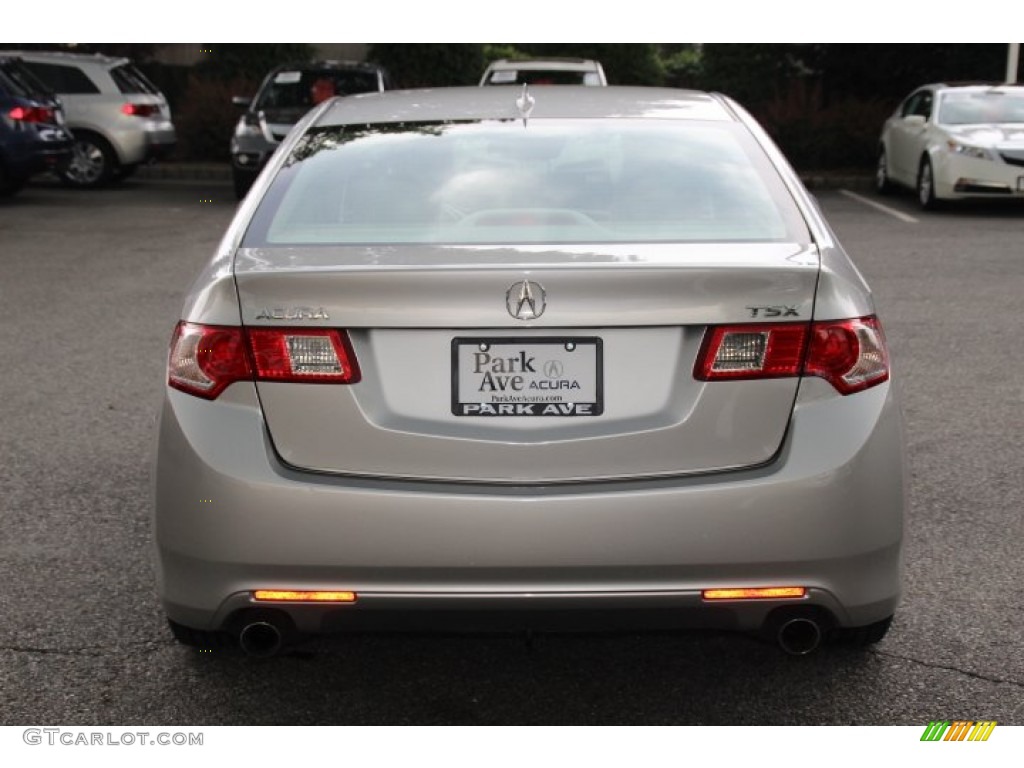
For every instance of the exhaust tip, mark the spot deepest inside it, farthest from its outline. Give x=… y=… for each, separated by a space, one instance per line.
x=799 y=636
x=261 y=639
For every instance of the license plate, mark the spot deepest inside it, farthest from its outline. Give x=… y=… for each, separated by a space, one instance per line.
x=527 y=377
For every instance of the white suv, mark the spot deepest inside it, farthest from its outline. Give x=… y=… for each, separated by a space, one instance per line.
x=119 y=118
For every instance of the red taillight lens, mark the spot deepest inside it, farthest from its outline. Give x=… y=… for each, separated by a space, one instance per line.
x=204 y=359
x=309 y=354
x=753 y=351
x=849 y=354
x=32 y=114
x=140 y=110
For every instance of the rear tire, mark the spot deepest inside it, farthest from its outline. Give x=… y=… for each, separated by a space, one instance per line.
x=93 y=162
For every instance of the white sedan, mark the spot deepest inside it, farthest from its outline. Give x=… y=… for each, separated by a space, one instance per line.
x=955 y=142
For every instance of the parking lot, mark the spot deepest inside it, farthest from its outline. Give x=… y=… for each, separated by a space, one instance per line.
x=91 y=287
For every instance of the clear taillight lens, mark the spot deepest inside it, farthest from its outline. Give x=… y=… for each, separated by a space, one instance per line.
x=754 y=351
x=315 y=355
x=204 y=359
x=849 y=354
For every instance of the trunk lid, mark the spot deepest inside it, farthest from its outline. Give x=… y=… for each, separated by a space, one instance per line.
x=624 y=322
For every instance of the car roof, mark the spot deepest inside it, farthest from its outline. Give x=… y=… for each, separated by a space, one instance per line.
x=564 y=101
x=973 y=85
x=71 y=58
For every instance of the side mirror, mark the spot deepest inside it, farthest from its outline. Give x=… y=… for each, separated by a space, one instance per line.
x=914 y=120
x=241 y=101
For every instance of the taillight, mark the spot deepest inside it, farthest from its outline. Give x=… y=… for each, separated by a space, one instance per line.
x=140 y=110
x=753 y=351
x=32 y=114
x=204 y=359
x=849 y=354
x=309 y=354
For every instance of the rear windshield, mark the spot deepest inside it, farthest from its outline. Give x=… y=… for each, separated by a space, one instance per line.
x=18 y=81
x=301 y=89
x=130 y=80
x=542 y=77
x=976 y=107
x=552 y=181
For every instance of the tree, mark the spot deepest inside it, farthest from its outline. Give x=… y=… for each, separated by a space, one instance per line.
x=250 y=61
x=423 y=65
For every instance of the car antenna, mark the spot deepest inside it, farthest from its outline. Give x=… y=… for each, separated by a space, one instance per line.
x=525 y=103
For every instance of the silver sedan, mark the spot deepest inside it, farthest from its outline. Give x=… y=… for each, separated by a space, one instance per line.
x=562 y=359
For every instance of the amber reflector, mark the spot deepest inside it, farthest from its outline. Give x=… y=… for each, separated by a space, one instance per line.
x=292 y=596
x=758 y=593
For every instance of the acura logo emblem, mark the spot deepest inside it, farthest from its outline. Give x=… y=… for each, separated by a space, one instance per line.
x=526 y=300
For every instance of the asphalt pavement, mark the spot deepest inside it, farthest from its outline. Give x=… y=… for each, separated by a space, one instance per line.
x=91 y=286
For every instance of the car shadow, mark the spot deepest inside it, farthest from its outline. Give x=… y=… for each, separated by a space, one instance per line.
x=664 y=678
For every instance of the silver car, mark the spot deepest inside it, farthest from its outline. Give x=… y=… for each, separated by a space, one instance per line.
x=501 y=359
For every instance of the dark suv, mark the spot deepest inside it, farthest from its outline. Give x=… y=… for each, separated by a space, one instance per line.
x=33 y=138
x=285 y=95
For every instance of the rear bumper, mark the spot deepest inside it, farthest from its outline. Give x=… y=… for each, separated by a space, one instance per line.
x=826 y=514
x=138 y=140
x=37 y=155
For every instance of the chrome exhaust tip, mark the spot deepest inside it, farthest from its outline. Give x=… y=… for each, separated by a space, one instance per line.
x=260 y=639
x=799 y=636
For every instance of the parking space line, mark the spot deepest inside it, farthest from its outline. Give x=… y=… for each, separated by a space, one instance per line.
x=878 y=206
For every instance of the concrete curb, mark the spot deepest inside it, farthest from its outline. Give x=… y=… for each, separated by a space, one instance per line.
x=822 y=181
x=185 y=171
x=222 y=172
